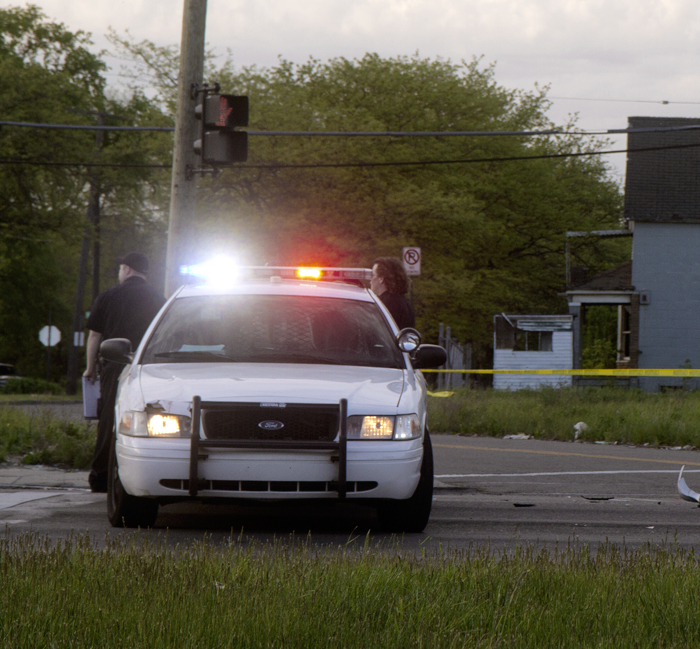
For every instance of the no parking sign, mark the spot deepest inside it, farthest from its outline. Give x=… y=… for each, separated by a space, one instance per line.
x=411 y=261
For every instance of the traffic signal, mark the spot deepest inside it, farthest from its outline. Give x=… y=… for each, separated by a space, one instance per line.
x=219 y=143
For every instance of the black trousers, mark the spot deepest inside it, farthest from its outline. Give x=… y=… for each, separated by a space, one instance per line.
x=109 y=380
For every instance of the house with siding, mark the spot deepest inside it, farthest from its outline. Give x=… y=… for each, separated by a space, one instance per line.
x=658 y=291
x=523 y=342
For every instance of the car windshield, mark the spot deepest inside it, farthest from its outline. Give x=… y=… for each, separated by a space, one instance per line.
x=273 y=329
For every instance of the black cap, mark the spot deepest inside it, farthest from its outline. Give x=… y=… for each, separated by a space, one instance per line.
x=135 y=260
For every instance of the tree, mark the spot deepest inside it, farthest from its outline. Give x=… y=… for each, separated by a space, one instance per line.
x=49 y=76
x=45 y=73
x=492 y=233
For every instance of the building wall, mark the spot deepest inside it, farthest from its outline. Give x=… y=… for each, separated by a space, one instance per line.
x=666 y=274
x=560 y=358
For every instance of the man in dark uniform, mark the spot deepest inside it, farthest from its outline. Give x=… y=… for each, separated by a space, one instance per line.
x=390 y=282
x=123 y=311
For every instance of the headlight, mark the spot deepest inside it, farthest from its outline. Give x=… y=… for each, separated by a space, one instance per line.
x=159 y=424
x=383 y=427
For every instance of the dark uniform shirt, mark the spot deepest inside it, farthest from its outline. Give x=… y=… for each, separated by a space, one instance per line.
x=400 y=308
x=125 y=310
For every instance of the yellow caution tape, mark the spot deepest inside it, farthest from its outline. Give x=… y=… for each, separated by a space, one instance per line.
x=440 y=394
x=624 y=372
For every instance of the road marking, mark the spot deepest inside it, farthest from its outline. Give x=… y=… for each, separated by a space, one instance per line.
x=560 y=453
x=522 y=475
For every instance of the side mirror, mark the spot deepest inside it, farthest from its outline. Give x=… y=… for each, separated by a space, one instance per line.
x=408 y=340
x=117 y=350
x=429 y=357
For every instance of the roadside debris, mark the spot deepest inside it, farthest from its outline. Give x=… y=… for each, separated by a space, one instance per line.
x=686 y=492
x=519 y=436
x=580 y=427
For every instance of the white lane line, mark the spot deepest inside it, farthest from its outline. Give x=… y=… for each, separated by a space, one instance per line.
x=14 y=499
x=523 y=475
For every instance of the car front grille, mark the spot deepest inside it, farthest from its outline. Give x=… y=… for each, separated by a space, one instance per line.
x=282 y=422
x=258 y=486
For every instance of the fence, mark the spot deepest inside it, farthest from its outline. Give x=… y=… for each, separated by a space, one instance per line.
x=459 y=357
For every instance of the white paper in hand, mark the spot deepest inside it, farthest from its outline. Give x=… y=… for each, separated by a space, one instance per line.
x=91 y=393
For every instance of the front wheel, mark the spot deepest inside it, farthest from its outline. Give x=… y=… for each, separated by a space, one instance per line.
x=412 y=515
x=124 y=510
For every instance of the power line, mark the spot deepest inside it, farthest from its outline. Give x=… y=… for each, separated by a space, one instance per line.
x=534 y=133
x=335 y=165
x=663 y=102
x=170 y=129
x=81 y=127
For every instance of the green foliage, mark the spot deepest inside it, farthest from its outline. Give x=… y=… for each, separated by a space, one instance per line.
x=143 y=594
x=30 y=386
x=48 y=75
x=599 y=337
x=613 y=415
x=40 y=437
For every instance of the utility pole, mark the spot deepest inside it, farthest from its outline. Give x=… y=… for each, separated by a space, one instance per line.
x=94 y=209
x=184 y=186
x=92 y=226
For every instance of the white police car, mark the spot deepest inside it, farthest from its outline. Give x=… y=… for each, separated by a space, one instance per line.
x=280 y=384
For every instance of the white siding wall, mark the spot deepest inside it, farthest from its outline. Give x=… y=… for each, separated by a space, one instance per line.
x=560 y=358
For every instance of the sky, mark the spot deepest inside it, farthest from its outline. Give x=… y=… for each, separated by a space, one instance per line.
x=603 y=60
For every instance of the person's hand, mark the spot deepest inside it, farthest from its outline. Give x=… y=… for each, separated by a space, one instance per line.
x=91 y=374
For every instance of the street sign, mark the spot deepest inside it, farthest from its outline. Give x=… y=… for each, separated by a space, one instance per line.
x=411 y=261
x=49 y=336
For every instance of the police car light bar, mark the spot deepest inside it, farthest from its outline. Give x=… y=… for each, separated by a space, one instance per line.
x=209 y=272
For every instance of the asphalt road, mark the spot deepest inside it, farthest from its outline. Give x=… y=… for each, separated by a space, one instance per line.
x=490 y=492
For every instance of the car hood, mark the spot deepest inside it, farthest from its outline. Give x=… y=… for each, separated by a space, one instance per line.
x=172 y=386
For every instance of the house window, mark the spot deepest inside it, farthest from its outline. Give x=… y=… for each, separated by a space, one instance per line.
x=533 y=341
x=545 y=341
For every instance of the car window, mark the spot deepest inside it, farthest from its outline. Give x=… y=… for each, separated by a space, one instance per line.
x=273 y=329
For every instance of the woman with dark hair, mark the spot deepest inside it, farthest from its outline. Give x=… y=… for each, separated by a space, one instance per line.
x=391 y=283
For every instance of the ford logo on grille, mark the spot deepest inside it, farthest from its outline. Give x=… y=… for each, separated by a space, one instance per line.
x=270 y=424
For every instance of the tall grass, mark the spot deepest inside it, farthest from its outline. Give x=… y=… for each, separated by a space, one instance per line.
x=73 y=595
x=41 y=438
x=632 y=416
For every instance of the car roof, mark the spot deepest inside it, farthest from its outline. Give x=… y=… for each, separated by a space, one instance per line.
x=277 y=286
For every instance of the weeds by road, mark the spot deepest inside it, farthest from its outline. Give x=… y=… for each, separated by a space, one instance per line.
x=610 y=414
x=42 y=438
x=296 y=595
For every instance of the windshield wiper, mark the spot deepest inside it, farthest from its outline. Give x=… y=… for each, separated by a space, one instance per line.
x=195 y=356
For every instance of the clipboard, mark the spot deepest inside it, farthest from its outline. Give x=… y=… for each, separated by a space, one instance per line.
x=91 y=393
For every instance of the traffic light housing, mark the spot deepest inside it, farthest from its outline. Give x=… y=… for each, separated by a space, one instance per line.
x=220 y=144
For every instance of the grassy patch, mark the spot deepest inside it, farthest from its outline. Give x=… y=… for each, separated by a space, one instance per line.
x=31 y=386
x=41 y=398
x=73 y=595
x=631 y=416
x=40 y=438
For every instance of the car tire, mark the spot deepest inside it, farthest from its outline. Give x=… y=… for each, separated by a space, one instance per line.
x=412 y=515
x=124 y=510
